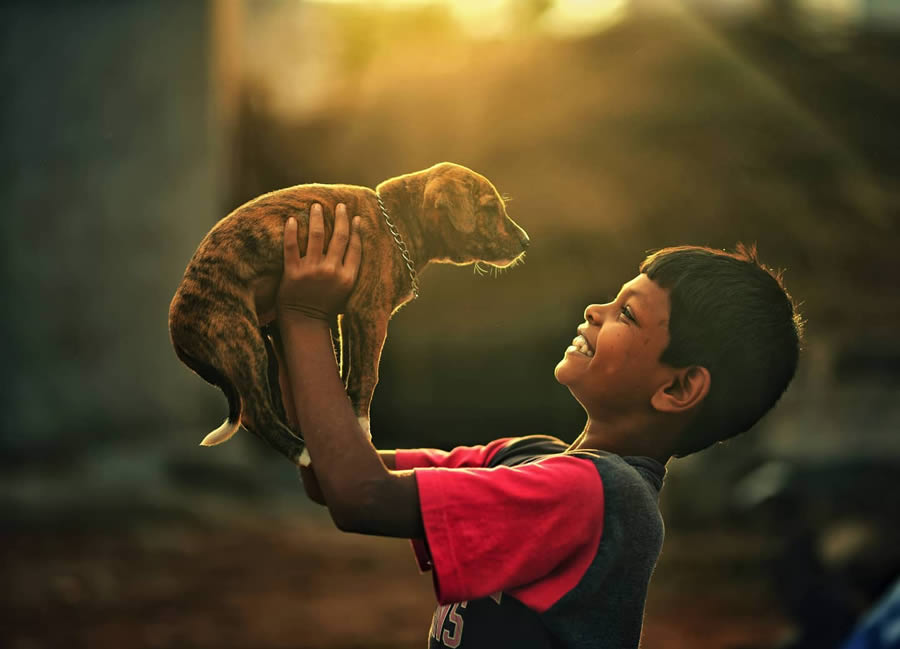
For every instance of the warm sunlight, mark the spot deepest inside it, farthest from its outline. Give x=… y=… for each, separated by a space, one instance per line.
x=494 y=18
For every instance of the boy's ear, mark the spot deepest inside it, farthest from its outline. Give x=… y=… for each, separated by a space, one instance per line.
x=687 y=389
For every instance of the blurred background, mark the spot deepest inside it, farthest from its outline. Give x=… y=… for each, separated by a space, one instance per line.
x=616 y=127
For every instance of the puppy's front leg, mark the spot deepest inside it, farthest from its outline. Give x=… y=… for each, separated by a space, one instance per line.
x=363 y=341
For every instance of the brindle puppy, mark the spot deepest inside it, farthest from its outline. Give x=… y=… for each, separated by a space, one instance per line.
x=446 y=214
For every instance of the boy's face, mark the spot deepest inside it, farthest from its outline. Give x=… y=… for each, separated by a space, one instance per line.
x=619 y=369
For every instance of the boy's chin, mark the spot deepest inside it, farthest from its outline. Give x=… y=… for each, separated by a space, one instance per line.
x=566 y=377
x=566 y=372
x=560 y=372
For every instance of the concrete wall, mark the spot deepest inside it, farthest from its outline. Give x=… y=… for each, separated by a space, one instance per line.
x=112 y=162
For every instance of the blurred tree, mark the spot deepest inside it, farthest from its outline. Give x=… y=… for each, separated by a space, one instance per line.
x=528 y=13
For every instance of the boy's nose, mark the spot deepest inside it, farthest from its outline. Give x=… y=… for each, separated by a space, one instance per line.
x=592 y=313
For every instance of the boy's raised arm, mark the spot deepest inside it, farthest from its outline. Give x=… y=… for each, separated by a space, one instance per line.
x=361 y=493
x=311 y=482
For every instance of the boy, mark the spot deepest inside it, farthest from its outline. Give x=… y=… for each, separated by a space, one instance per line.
x=533 y=542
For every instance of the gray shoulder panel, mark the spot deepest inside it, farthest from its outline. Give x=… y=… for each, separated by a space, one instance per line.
x=606 y=608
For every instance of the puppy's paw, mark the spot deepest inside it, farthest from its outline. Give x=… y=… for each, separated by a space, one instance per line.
x=304 y=459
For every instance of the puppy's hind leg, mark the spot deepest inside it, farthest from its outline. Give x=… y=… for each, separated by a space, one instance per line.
x=280 y=385
x=271 y=337
x=248 y=370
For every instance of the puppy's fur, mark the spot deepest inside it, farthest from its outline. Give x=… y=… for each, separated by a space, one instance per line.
x=446 y=213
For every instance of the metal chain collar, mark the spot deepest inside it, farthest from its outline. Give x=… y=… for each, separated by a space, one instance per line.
x=404 y=251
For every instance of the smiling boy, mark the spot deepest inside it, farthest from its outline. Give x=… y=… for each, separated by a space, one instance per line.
x=534 y=542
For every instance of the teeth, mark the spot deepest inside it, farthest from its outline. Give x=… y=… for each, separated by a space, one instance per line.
x=581 y=346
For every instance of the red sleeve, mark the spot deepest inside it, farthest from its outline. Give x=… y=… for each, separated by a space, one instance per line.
x=461 y=456
x=531 y=530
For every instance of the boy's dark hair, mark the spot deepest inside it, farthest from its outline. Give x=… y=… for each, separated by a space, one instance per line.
x=732 y=315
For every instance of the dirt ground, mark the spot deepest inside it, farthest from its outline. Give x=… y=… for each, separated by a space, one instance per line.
x=301 y=583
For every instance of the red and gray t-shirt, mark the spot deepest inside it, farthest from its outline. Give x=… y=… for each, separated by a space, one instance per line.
x=532 y=547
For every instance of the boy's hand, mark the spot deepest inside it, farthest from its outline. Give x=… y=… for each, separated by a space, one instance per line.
x=318 y=284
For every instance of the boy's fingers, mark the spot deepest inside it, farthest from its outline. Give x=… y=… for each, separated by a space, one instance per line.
x=291 y=248
x=315 y=243
x=338 y=244
x=354 y=250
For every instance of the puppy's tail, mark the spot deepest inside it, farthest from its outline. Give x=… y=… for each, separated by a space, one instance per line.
x=211 y=375
x=231 y=424
x=221 y=434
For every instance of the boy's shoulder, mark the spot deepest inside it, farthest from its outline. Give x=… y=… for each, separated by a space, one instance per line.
x=521 y=450
x=615 y=470
x=631 y=532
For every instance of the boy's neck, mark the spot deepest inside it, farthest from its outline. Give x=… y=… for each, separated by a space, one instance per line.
x=621 y=440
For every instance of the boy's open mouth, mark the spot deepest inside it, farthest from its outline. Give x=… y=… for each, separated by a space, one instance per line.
x=580 y=345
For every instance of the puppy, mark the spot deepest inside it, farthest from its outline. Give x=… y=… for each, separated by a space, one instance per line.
x=444 y=214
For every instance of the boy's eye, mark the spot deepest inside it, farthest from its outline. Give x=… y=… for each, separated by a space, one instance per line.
x=626 y=311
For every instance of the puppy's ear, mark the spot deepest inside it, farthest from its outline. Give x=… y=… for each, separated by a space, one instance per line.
x=446 y=199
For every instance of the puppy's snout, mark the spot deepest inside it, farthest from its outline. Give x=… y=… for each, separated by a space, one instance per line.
x=519 y=233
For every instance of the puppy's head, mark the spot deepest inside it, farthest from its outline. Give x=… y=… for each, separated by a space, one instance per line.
x=466 y=219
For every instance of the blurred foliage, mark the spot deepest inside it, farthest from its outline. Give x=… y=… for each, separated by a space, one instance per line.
x=656 y=132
